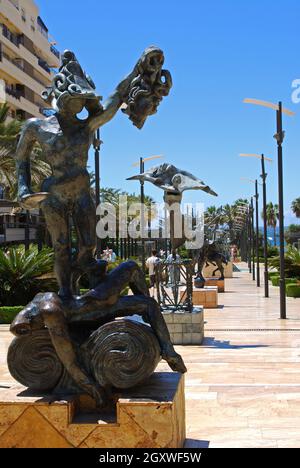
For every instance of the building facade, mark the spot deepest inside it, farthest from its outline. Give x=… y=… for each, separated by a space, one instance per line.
x=27 y=58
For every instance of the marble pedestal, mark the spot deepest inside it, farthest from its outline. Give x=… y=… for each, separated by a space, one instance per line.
x=207 y=297
x=186 y=328
x=220 y=284
x=149 y=416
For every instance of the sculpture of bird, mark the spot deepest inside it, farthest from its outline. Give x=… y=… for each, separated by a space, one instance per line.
x=173 y=180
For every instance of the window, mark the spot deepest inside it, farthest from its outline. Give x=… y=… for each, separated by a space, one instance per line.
x=42 y=27
x=23 y=14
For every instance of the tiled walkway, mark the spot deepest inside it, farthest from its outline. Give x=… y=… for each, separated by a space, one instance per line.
x=243 y=385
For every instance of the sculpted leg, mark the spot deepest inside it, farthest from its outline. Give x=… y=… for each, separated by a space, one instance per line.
x=106 y=295
x=149 y=309
x=201 y=264
x=54 y=319
x=56 y=216
x=221 y=269
x=85 y=224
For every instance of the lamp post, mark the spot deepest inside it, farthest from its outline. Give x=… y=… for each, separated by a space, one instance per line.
x=97 y=145
x=253 y=246
x=279 y=138
x=249 y=241
x=257 y=235
x=141 y=164
x=264 y=178
x=256 y=196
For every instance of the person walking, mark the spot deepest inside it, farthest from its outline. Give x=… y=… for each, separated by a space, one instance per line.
x=151 y=263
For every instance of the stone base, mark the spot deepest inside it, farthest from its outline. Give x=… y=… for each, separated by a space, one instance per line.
x=228 y=271
x=149 y=416
x=186 y=328
x=220 y=284
x=207 y=297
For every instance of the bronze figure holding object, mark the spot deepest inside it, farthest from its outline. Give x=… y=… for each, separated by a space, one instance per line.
x=65 y=141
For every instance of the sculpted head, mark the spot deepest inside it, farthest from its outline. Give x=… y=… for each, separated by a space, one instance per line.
x=72 y=89
x=28 y=319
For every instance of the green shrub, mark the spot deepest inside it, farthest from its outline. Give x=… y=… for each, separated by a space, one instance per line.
x=272 y=251
x=291 y=281
x=293 y=290
x=23 y=274
x=275 y=280
x=292 y=262
x=272 y=274
x=8 y=314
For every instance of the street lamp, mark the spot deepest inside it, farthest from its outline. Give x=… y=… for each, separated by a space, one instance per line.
x=141 y=164
x=264 y=178
x=252 y=235
x=279 y=138
x=97 y=145
x=256 y=196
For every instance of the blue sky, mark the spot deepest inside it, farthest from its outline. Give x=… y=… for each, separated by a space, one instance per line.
x=219 y=52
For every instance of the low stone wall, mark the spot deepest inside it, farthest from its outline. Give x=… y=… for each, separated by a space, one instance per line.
x=186 y=328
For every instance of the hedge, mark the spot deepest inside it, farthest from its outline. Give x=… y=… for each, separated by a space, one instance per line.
x=8 y=314
x=293 y=290
x=275 y=280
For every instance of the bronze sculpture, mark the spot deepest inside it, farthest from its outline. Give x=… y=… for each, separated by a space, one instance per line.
x=174 y=182
x=209 y=253
x=65 y=141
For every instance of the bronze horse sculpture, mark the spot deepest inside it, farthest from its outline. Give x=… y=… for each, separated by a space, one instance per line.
x=209 y=254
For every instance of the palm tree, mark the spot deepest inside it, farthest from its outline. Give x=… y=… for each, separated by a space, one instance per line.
x=272 y=217
x=9 y=131
x=296 y=207
x=24 y=273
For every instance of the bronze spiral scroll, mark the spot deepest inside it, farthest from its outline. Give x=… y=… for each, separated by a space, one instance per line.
x=122 y=354
x=33 y=362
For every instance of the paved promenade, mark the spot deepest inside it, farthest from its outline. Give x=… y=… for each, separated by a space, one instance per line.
x=243 y=385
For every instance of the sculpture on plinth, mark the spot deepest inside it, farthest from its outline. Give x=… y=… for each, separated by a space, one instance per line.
x=174 y=182
x=209 y=253
x=59 y=344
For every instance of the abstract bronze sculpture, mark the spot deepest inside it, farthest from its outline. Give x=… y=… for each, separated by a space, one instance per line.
x=73 y=322
x=174 y=182
x=209 y=253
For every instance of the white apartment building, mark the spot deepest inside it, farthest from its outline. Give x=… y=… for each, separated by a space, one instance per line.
x=27 y=57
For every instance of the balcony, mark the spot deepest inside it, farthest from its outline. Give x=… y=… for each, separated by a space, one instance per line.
x=44 y=65
x=12 y=92
x=55 y=51
x=13 y=38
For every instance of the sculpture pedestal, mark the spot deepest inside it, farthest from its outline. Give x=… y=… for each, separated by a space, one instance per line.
x=149 y=416
x=216 y=282
x=186 y=328
x=207 y=297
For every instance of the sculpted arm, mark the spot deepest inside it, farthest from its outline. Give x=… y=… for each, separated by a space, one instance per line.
x=114 y=102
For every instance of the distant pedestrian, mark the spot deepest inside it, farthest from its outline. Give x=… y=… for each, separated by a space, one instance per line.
x=151 y=263
x=174 y=270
